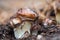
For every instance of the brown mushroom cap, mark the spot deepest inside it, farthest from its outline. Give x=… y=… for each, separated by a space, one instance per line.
x=27 y=13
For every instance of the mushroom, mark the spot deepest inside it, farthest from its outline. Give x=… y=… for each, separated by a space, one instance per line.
x=15 y=21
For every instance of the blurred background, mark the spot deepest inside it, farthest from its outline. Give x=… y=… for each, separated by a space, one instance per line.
x=10 y=7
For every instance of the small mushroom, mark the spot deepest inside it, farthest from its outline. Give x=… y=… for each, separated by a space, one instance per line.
x=15 y=21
